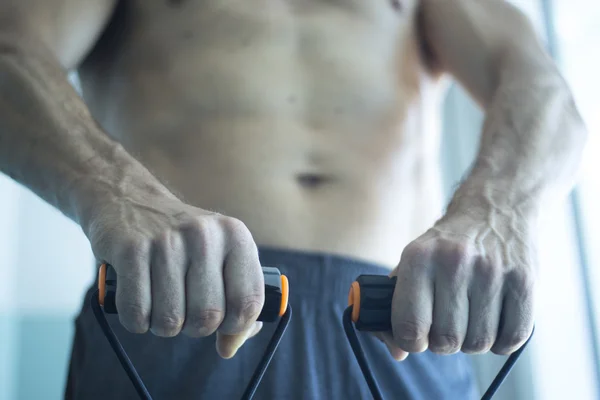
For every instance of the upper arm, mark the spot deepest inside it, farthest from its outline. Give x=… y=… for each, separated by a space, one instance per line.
x=68 y=28
x=474 y=39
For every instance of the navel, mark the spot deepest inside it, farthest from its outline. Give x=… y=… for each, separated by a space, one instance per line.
x=396 y=5
x=175 y=3
x=313 y=181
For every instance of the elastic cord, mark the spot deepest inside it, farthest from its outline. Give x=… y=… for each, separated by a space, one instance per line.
x=271 y=348
x=118 y=349
x=360 y=355
x=137 y=380
x=505 y=370
x=372 y=384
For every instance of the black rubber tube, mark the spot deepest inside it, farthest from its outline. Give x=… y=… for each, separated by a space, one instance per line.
x=360 y=355
x=269 y=353
x=372 y=383
x=504 y=371
x=135 y=378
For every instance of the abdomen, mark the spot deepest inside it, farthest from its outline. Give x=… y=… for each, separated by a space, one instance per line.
x=292 y=120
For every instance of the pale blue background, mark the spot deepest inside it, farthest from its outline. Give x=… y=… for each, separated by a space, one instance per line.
x=46 y=265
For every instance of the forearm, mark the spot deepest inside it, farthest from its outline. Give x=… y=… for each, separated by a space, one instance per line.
x=48 y=140
x=532 y=139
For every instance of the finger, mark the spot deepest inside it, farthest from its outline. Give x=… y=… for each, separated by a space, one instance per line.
x=134 y=295
x=412 y=304
x=388 y=339
x=485 y=306
x=244 y=282
x=450 y=304
x=168 y=269
x=205 y=290
x=516 y=321
x=228 y=345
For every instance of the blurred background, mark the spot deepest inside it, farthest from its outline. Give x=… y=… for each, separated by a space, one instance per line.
x=46 y=262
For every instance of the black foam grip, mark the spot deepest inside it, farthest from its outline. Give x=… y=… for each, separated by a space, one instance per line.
x=272 y=306
x=376 y=293
x=110 y=293
x=269 y=313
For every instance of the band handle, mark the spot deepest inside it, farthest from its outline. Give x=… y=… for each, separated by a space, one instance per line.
x=370 y=309
x=371 y=299
x=275 y=308
x=276 y=292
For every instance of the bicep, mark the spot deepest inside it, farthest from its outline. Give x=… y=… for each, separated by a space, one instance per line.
x=470 y=39
x=68 y=28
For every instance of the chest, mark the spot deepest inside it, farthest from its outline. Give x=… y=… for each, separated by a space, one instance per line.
x=318 y=36
x=319 y=60
x=255 y=22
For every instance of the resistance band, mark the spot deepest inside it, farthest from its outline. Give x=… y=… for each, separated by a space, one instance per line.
x=369 y=309
x=275 y=307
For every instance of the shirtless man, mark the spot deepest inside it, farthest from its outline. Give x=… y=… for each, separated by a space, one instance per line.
x=216 y=136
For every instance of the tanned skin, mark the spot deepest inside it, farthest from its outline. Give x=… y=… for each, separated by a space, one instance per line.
x=207 y=128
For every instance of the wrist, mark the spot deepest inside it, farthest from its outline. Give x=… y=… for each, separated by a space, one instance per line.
x=480 y=198
x=118 y=178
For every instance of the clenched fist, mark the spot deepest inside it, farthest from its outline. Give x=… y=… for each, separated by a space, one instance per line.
x=466 y=284
x=180 y=268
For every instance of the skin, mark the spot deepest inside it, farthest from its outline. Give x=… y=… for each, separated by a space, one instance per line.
x=208 y=128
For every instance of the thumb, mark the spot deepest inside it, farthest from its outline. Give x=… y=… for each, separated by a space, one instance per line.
x=396 y=352
x=228 y=345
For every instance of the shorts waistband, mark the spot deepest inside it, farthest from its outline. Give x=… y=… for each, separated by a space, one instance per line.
x=318 y=273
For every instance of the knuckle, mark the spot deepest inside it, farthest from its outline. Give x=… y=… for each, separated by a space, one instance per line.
x=204 y=322
x=511 y=342
x=248 y=308
x=415 y=258
x=453 y=271
x=453 y=259
x=200 y=232
x=167 y=325
x=132 y=249
x=486 y=271
x=416 y=252
x=410 y=331
x=234 y=226
x=445 y=342
x=501 y=350
x=134 y=317
x=521 y=280
x=517 y=338
x=477 y=345
x=164 y=241
x=238 y=235
x=453 y=253
x=198 y=225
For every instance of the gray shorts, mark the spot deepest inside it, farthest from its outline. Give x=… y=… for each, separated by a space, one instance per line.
x=314 y=359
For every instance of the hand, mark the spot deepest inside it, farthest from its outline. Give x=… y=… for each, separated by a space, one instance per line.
x=466 y=284
x=179 y=268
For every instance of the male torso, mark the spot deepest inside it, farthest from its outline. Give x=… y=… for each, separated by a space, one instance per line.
x=314 y=122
